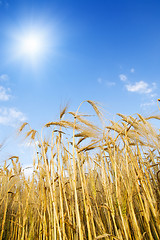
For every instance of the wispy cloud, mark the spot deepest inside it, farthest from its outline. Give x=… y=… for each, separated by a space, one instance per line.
x=107 y=83
x=99 y=80
x=110 y=84
x=148 y=104
x=11 y=117
x=140 y=87
x=132 y=70
x=4 y=77
x=123 y=77
x=4 y=96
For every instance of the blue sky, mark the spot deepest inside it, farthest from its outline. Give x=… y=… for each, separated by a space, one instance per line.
x=106 y=51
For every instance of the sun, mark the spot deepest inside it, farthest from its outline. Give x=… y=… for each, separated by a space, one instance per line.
x=31 y=45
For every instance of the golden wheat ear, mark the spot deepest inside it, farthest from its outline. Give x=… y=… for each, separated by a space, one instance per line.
x=158 y=176
x=63 y=111
x=158 y=100
x=22 y=127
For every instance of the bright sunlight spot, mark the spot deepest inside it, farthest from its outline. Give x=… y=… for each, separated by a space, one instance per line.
x=31 y=45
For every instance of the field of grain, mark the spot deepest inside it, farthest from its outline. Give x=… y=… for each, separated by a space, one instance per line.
x=89 y=182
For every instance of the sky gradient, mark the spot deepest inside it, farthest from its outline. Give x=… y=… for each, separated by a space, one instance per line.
x=106 y=51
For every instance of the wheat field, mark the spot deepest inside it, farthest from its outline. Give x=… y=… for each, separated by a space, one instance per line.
x=88 y=182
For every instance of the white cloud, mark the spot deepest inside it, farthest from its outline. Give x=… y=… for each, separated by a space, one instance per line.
x=11 y=117
x=140 y=87
x=132 y=70
x=110 y=84
x=148 y=104
x=123 y=77
x=153 y=95
x=4 y=77
x=107 y=83
x=4 y=96
x=99 y=80
x=154 y=85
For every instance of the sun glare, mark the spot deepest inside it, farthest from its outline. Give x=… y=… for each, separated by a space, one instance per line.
x=31 y=45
